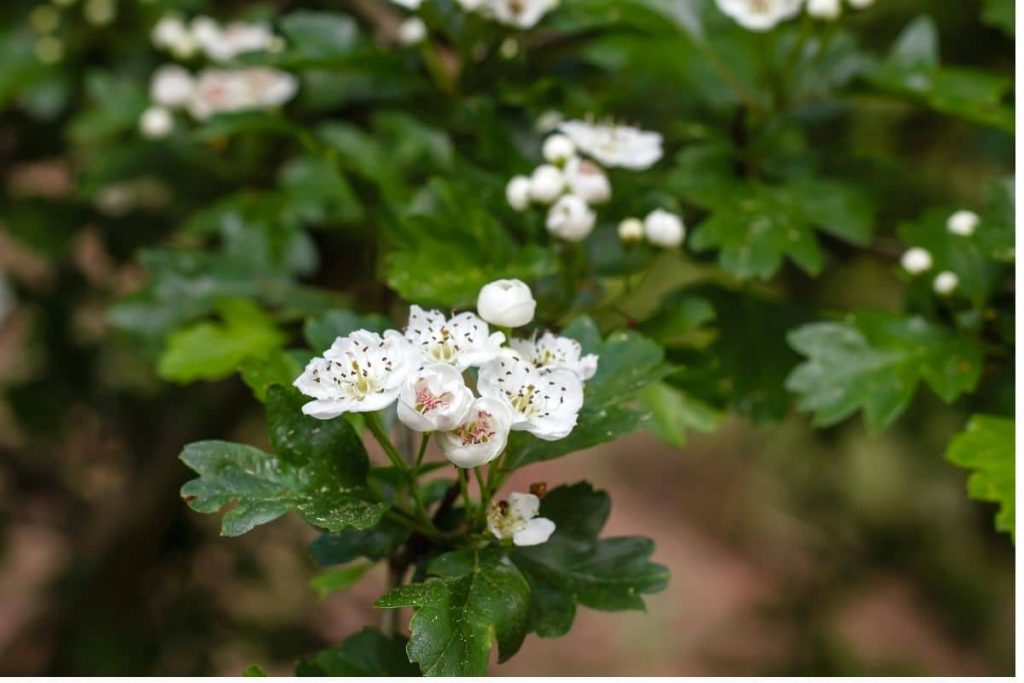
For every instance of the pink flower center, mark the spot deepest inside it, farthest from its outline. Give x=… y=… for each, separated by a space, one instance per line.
x=478 y=431
x=427 y=401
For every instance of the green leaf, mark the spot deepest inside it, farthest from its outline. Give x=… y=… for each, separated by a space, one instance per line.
x=596 y=425
x=999 y=13
x=321 y=332
x=261 y=372
x=365 y=653
x=254 y=671
x=575 y=567
x=319 y=471
x=874 y=363
x=987 y=448
x=338 y=579
x=316 y=192
x=318 y=36
x=214 y=350
x=475 y=598
x=674 y=412
x=375 y=543
x=680 y=314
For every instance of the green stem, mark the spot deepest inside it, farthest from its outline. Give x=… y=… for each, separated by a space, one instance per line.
x=376 y=426
x=784 y=84
x=464 y=485
x=485 y=496
x=423 y=452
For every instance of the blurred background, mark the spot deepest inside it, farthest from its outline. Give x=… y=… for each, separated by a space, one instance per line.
x=792 y=551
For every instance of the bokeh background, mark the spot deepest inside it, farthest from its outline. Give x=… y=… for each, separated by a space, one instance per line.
x=792 y=551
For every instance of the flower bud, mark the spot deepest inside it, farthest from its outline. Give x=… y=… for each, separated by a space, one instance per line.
x=171 y=86
x=517 y=192
x=412 y=31
x=506 y=303
x=570 y=218
x=946 y=282
x=559 y=149
x=916 y=260
x=827 y=10
x=664 y=229
x=631 y=230
x=156 y=122
x=546 y=184
x=587 y=181
x=963 y=223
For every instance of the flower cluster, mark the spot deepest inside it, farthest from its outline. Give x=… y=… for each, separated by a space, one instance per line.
x=572 y=181
x=212 y=90
x=533 y=385
x=522 y=14
x=764 y=15
x=918 y=260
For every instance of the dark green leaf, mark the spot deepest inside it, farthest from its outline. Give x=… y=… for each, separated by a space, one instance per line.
x=365 y=653
x=338 y=579
x=261 y=372
x=375 y=543
x=673 y=412
x=475 y=598
x=321 y=332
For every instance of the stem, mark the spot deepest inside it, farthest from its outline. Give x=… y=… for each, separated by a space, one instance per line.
x=423 y=452
x=464 y=485
x=786 y=74
x=485 y=495
x=376 y=426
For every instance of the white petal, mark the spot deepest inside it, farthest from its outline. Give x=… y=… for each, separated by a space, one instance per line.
x=537 y=531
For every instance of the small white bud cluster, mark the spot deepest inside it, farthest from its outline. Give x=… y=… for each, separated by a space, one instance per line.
x=571 y=182
x=918 y=260
x=764 y=15
x=214 y=89
x=522 y=14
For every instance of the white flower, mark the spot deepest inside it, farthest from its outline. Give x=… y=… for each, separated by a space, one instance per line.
x=615 y=146
x=544 y=403
x=760 y=15
x=828 y=10
x=225 y=43
x=558 y=149
x=434 y=399
x=631 y=230
x=506 y=303
x=412 y=31
x=219 y=91
x=481 y=437
x=171 y=86
x=963 y=223
x=517 y=192
x=517 y=519
x=360 y=373
x=945 y=283
x=519 y=13
x=664 y=229
x=463 y=341
x=546 y=183
x=916 y=260
x=170 y=33
x=587 y=181
x=156 y=122
x=570 y=218
x=551 y=352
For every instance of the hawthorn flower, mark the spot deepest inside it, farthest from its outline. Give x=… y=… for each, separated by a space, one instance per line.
x=546 y=183
x=916 y=260
x=551 y=352
x=587 y=181
x=434 y=399
x=570 y=218
x=760 y=15
x=519 y=13
x=171 y=34
x=225 y=43
x=664 y=229
x=963 y=223
x=631 y=230
x=461 y=341
x=412 y=31
x=156 y=123
x=171 y=86
x=827 y=10
x=946 y=283
x=360 y=373
x=517 y=192
x=517 y=519
x=218 y=90
x=615 y=146
x=506 y=303
x=544 y=403
x=480 y=437
x=558 y=149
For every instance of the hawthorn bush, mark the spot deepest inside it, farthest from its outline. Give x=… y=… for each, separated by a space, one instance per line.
x=512 y=230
